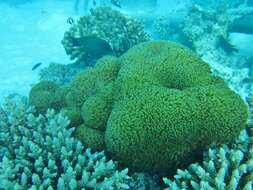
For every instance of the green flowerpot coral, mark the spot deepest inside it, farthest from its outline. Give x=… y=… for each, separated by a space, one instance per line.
x=90 y=137
x=47 y=94
x=169 y=105
x=91 y=80
x=74 y=115
x=97 y=108
x=155 y=106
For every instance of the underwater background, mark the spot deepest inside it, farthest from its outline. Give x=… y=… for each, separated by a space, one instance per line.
x=124 y=94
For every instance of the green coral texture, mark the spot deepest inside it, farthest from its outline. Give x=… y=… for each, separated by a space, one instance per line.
x=155 y=105
x=38 y=152
x=47 y=94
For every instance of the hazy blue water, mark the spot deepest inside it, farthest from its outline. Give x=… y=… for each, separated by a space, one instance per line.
x=31 y=31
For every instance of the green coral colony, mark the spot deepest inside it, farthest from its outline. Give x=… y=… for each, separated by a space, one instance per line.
x=151 y=108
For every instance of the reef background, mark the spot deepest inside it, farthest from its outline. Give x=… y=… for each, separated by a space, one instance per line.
x=31 y=33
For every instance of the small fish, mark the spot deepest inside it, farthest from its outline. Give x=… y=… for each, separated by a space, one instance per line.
x=94 y=3
x=94 y=47
x=92 y=11
x=70 y=20
x=226 y=45
x=116 y=3
x=42 y=12
x=36 y=66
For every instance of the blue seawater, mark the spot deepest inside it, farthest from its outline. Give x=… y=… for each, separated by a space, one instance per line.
x=58 y=40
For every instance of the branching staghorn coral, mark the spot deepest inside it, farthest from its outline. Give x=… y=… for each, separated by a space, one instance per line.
x=229 y=167
x=38 y=152
x=119 y=30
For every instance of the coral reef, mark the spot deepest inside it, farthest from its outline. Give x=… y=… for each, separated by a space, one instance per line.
x=158 y=94
x=59 y=73
x=208 y=32
x=145 y=181
x=119 y=30
x=162 y=28
x=38 y=152
x=208 y=25
x=74 y=115
x=90 y=81
x=225 y=4
x=251 y=108
x=91 y=137
x=169 y=27
x=158 y=103
x=47 y=94
x=225 y=167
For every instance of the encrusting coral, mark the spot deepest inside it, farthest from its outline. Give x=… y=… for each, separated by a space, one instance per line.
x=120 y=31
x=155 y=105
x=39 y=152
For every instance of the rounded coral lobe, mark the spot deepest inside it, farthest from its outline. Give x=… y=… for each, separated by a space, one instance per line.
x=168 y=106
